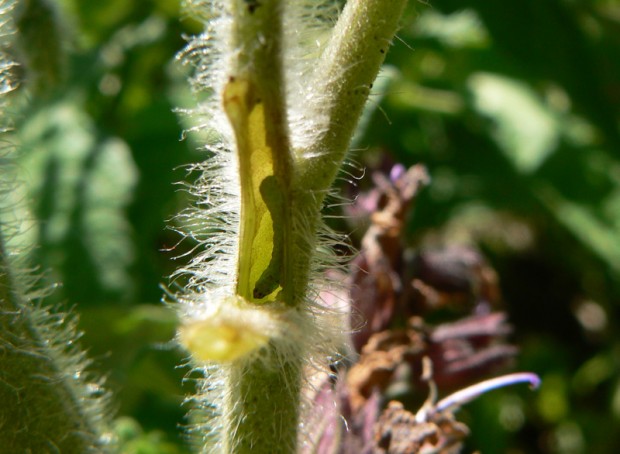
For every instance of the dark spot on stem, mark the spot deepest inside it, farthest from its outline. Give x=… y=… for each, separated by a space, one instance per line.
x=252 y=5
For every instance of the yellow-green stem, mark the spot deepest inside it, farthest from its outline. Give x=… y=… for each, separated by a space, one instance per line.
x=281 y=202
x=255 y=104
x=262 y=408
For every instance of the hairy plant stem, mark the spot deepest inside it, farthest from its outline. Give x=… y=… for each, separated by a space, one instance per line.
x=256 y=108
x=345 y=74
x=45 y=404
x=281 y=198
x=39 y=411
x=265 y=415
x=263 y=396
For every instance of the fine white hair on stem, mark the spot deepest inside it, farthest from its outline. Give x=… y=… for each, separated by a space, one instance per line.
x=267 y=100
x=213 y=219
x=308 y=25
x=212 y=222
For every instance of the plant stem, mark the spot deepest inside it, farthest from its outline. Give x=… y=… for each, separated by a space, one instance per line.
x=40 y=410
x=255 y=104
x=265 y=414
x=344 y=76
x=281 y=199
x=263 y=394
x=45 y=405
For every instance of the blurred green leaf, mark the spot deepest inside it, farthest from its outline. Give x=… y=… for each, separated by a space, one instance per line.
x=525 y=130
x=82 y=184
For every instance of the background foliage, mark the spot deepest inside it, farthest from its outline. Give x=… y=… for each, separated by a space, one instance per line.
x=514 y=108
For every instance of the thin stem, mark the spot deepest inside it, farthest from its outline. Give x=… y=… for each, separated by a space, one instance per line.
x=470 y=393
x=344 y=77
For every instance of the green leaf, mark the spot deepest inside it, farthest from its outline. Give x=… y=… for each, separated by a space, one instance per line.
x=523 y=127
